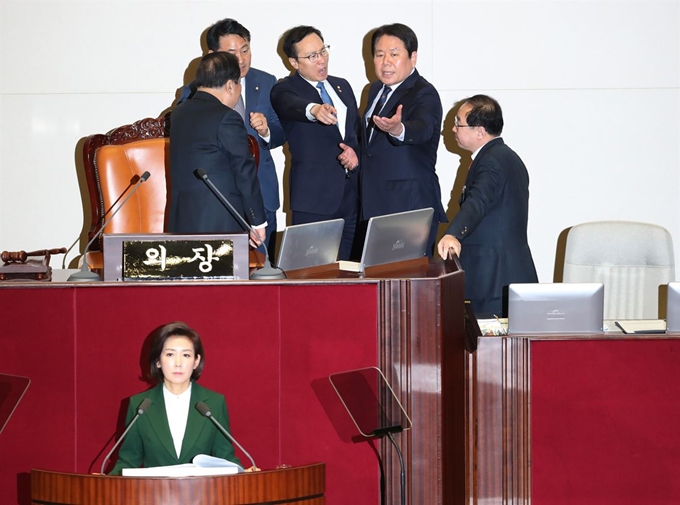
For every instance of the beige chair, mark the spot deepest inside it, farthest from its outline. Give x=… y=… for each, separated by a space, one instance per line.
x=113 y=162
x=631 y=259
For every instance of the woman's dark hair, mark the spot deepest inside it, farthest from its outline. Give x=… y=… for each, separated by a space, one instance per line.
x=295 y=35
x=175 y=329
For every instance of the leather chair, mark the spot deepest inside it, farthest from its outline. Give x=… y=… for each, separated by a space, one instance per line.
x=631 y=259
x=113 y=162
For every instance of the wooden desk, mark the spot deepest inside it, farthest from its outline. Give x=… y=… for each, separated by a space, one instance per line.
x=574 y=419
x=270 y=347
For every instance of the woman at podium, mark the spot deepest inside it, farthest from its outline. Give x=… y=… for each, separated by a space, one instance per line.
x=171 y=430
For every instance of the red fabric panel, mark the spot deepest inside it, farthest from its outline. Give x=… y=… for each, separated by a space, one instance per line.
x=240 y=332
x=327 y=331
x=37 y=342
x=264 y=346
x=604 y=422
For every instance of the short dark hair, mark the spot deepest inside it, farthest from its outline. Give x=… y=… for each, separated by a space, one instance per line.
x=174 y=329
x=224 y=27
x=486 y=112
x=402 y=32
x=295 y=35
x=216 y=69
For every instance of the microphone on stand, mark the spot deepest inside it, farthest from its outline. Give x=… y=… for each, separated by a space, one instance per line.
x=101 y=220
x=205 y=410
x=85 y=274
x=146 y=403
x=267 y=272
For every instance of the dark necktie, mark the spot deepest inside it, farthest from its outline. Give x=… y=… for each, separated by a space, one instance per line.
x=378 y=108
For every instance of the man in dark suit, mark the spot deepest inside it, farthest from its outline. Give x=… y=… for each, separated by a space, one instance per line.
x=228 y=35
x=320 y=117
x=489 y=233
x=401 y=130
x=206 y=132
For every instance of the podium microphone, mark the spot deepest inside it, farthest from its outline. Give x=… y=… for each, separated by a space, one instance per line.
x=85 y=274
x=205 y=410
x=146 y=403
x=267 y=272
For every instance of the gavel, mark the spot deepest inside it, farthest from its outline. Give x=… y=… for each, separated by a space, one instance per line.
x=22 y=256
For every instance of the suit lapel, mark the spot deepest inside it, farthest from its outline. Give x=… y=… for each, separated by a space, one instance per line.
x=252 y=92
x=195 y=422
x=158 y=419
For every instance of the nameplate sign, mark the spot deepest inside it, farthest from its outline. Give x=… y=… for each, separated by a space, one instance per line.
x=169 y=256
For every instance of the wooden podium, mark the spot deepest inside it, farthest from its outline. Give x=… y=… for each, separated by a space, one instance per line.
x=293 y=486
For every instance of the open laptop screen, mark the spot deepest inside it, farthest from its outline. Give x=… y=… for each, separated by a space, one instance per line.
x=397 y=237
x=536 y=308
x=311 y=244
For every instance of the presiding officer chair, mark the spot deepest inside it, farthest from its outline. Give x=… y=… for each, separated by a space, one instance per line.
x=631 y=259
x=113 y=161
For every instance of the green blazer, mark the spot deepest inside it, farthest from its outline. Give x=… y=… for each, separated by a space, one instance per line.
x=149 y=442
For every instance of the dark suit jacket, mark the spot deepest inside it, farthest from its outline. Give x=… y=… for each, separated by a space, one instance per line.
x=206 y=134
x=317 y=179
x=149 y=442
x=399 y=176
x=492 y=226
x=258 y=87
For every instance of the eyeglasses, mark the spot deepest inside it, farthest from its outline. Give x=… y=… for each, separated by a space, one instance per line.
x=314 y=57
x=456 y=125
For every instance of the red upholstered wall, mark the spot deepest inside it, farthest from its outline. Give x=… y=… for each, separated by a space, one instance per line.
x=265 y=344
x=605 y=422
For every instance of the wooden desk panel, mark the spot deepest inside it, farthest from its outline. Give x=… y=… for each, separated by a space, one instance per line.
x=574 y=419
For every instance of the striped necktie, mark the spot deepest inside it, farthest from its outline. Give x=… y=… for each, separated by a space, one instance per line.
x=325 y=97
x=386 y=90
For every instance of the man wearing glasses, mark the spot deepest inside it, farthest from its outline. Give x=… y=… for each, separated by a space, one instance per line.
x=320 y=118
x=401 y=126
x=494 y=207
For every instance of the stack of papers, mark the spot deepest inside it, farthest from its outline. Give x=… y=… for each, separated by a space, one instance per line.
x=642 y=326
x=202 y=465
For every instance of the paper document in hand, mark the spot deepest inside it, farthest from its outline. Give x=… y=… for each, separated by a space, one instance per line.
x=203 y=465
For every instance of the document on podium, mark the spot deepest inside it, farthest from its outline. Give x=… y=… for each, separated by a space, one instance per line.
x=201 y=466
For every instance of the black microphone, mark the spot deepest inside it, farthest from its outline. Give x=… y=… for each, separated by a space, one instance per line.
x=85 y=274
x=205 y=410
x=267 y=272
x=101 y=220
x=146 y=403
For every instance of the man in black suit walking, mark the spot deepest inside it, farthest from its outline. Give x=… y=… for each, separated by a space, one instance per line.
x=489 y=233
x=206 y=132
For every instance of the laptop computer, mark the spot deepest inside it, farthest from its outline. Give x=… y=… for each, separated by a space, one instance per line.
x=673 y=308
x=555 y=308
x=394 y=237
x=311 y=244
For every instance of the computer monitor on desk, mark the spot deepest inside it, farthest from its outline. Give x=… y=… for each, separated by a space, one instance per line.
x=673 y=308
x=566 y=308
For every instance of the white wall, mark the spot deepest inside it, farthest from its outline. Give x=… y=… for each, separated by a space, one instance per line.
x=590 y=92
